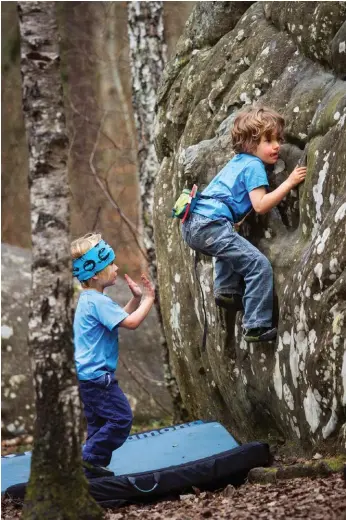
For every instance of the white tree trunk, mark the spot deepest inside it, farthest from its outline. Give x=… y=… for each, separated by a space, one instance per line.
x=147 y=61
x=56 y=462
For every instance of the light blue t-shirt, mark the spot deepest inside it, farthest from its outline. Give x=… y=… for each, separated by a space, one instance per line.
x=95 y=329
x=231 y=188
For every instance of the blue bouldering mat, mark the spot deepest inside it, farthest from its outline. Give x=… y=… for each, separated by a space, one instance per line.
x=145 y=451
x=159 y=462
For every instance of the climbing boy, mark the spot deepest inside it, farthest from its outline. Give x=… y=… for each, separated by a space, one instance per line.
x=96 y=322
x=210 y=229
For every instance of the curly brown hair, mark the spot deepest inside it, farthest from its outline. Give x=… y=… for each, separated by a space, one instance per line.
x=251 y=123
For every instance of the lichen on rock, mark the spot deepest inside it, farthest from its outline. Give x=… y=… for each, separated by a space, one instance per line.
x=290 y=58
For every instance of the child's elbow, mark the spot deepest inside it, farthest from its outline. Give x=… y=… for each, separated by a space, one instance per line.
x=133 y=326
x=129 y=323
x=258 y=208
x=257 y=205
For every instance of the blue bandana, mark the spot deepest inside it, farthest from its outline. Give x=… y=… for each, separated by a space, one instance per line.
x=93 y=261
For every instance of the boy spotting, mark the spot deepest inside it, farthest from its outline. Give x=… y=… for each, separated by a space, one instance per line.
x=96 y=322
x=210 y=229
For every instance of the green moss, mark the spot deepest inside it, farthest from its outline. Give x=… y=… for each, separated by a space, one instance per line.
x=306 y=193
x=140 y=426
x=326 y=117
x=181 y=61
x=47 y=498
x=314 y=146
x=337 y=463
x=146 y=218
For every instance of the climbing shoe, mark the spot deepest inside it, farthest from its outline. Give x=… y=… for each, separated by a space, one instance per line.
x=94 y=471
x=260 y=334
x=230 y=301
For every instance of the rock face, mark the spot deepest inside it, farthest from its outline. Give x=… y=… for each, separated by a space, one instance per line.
x=140 y=370
x=17 y=391
x=290 y=56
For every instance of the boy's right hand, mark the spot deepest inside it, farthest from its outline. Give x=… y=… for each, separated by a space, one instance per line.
x=297 y=176
x=148 y=288
x=135 y=318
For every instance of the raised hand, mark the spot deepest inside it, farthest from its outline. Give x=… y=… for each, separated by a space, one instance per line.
x=297 y=176
x=134 y=287
x=149 y=289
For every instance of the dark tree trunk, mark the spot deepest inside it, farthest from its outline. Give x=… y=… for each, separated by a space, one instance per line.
x=57 y=488
x=147 y=60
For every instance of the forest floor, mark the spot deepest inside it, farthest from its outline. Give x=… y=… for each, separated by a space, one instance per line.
x=319 y=498
x=313 y=499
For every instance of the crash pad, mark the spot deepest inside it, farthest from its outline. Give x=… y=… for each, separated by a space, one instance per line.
x=144 y=451
x=160 y=463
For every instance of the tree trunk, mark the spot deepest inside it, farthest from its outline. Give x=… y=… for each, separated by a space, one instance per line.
x=57 y=488
x=147 y=60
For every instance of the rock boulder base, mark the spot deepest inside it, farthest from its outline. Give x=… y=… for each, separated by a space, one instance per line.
x=290 y=56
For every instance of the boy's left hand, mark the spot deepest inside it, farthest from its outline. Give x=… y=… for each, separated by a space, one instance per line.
x=134 y=287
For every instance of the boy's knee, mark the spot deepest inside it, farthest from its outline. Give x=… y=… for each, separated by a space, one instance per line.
x=128 y=419
x=123 y=423
x=265 y=265
x=128 y=416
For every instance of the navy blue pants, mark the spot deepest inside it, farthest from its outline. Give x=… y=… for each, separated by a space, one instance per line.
x=108 y=415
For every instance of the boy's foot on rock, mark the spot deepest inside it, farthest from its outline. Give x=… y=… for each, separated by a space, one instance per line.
x=230 y=301
x=94 y=471
x=260 y=334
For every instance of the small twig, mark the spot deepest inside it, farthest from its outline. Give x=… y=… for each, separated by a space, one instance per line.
x=96 y=218
x=130 y=372
x=109 y=197
x=92 y=123
x=148 y=378
x=109 y=168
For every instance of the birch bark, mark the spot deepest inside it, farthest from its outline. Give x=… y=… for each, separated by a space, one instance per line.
x=147 y=61
x=57 y=488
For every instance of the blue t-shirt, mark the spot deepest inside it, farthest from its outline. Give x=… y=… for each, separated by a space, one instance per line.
x=95 y=329
x=231 y=187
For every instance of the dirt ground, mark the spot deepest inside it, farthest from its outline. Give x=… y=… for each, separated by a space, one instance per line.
x=322 y=498
x=319 y=499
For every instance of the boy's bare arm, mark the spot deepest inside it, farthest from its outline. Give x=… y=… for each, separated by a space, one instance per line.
x=263 y=202
x=132 y=304
x=137 y=316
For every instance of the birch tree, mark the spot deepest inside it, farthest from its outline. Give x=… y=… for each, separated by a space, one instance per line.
x=57 y=488
x=147 y=61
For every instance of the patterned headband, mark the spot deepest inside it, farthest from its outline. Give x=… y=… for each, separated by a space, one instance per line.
x=93 y=261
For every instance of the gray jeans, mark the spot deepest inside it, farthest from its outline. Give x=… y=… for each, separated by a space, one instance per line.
x=237 y=261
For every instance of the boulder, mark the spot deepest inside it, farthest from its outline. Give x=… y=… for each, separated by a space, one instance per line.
x=290 y=56
x=17 y=403
x=140 y=369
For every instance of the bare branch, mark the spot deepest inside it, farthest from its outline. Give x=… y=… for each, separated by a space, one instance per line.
x=96 y=218
x=91 y=122
x=133 y=230
x=130 y=372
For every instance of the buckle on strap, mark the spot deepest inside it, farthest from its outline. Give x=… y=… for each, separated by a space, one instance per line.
x=191 y=197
